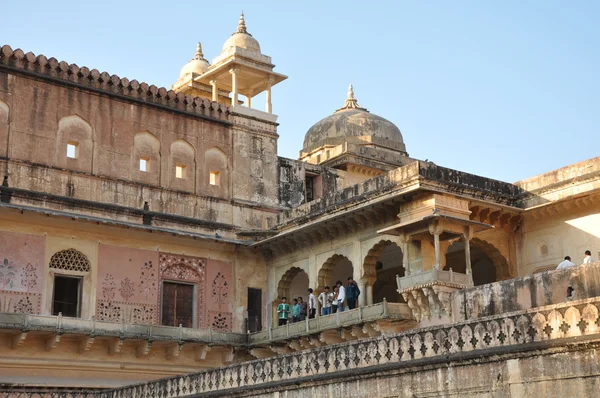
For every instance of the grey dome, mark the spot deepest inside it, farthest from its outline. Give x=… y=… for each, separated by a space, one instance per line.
x=351 y=122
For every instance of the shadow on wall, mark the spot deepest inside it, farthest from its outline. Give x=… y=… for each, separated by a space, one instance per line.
x=527 y=292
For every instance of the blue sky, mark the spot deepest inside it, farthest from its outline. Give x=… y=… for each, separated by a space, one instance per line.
x=504 y=89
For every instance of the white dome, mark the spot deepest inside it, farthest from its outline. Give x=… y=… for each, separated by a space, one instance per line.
x=242 y=38
x=197 y=65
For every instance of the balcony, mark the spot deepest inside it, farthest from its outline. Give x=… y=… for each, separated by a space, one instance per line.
x=428 y=293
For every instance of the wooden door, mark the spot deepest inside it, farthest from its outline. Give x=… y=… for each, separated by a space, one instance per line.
x=177 y=304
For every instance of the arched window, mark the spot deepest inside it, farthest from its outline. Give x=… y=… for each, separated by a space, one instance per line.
x=70 y=260
x=69 y=267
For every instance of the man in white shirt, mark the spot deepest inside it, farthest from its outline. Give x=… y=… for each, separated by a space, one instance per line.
x=325 y=299
x=342 y=305
x=566 y=264
x=312 y=304
x=588 y=257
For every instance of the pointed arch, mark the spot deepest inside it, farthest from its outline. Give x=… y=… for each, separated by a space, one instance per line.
x=336 y=267
x=380 y=267
x=215 y=175
x=286 y=288
x=487 y=262
x=182 y=165
x=77 y=133
x=146 y=152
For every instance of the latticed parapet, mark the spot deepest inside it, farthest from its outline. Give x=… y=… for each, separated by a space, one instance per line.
x=551 y=326
x=105 y=83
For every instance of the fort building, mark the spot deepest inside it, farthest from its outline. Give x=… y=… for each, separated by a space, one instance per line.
x=147 y=236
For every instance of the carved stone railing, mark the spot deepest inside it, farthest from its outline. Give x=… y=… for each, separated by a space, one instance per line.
x=428 y=293
x=59 y=325
x=379 y=311
x=571 y=323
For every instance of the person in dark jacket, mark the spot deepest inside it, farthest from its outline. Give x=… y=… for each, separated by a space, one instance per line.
x=352 y=293
x=303 y=308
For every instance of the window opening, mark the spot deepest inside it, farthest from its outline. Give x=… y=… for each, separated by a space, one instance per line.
x=215 y=178
x=72 y=150
x=66 y=296
x=180 y=171
x=177 y=304
x=310 y=190
x=144 y=164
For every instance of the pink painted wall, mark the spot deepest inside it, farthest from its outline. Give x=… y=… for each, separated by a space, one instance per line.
x=127 y=286
x=219 y=295
x=21 y=272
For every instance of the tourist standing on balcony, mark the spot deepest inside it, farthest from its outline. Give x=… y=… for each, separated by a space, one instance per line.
x=325 y=299
x=352 y=293
x=312 y=304
x=341 y=299
x=334 y=302
x=303 y=308
x=296 y=311
x=283 y=309
x=588 y=257
x=566 y=263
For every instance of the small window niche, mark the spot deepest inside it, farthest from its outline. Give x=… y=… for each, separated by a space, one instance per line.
x=215 y=178
x=66 y=298
x=72 y=150
x=144 y=165
x=180 y=171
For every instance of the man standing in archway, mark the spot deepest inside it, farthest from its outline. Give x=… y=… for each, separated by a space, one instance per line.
x=283 y=309
x=352 y=293
x=341 y=297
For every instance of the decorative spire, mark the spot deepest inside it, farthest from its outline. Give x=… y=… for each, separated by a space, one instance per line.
x=242 y=25
x=351 y=102
x=199 y=54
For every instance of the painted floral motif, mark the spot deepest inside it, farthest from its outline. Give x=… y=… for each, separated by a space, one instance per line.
x=142 y=315
x=148 y=283
x=127 y=289
x=220 y=288
x=220 y=321
x=181 y=272
x=108 y=311
x=24 y=306
x=29 y=277
x=108 y=287
x=8 y=273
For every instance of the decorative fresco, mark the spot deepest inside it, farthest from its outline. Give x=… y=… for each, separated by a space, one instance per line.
x=130 y=283
x=127 y=285
x=180 y=268
x=21 y=272
x=219 y=287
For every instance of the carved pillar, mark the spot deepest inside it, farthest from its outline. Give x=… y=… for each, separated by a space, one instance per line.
x=249 y=101
x=268 y=105
x=234 y=87
x=215 y=91
x=404 y=243
x=362 y=301
x=467 y=238
x=435 y=230
x=369 y=292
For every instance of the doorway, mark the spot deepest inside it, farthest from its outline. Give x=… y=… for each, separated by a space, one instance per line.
x=177 y=304
x=254 y=309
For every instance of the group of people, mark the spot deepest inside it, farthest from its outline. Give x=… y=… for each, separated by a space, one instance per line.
x=567 y=263
x=341 y=298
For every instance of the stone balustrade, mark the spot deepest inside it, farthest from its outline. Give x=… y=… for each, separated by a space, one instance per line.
x=570 y=323
x=58 y=325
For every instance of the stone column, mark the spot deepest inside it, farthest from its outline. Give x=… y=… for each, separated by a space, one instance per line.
x=467 y=238
x=215 y=91
x=234 y=87
x=404 y=243
x=369 y=292
x=268 y=105
x=362 y=301
x=436 y=231
x=249 y=101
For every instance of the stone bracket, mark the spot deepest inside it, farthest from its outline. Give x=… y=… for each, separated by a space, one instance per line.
x=52 y=341
x=200 y=352
x=173 y=350
x=428 y=301
x=143 y=349
x=114 y=346
x=18 y=339
x=85 y=344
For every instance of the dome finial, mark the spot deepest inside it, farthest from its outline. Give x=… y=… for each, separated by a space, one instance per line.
x=242 y=24
x=199 y=54
x=351 y=102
